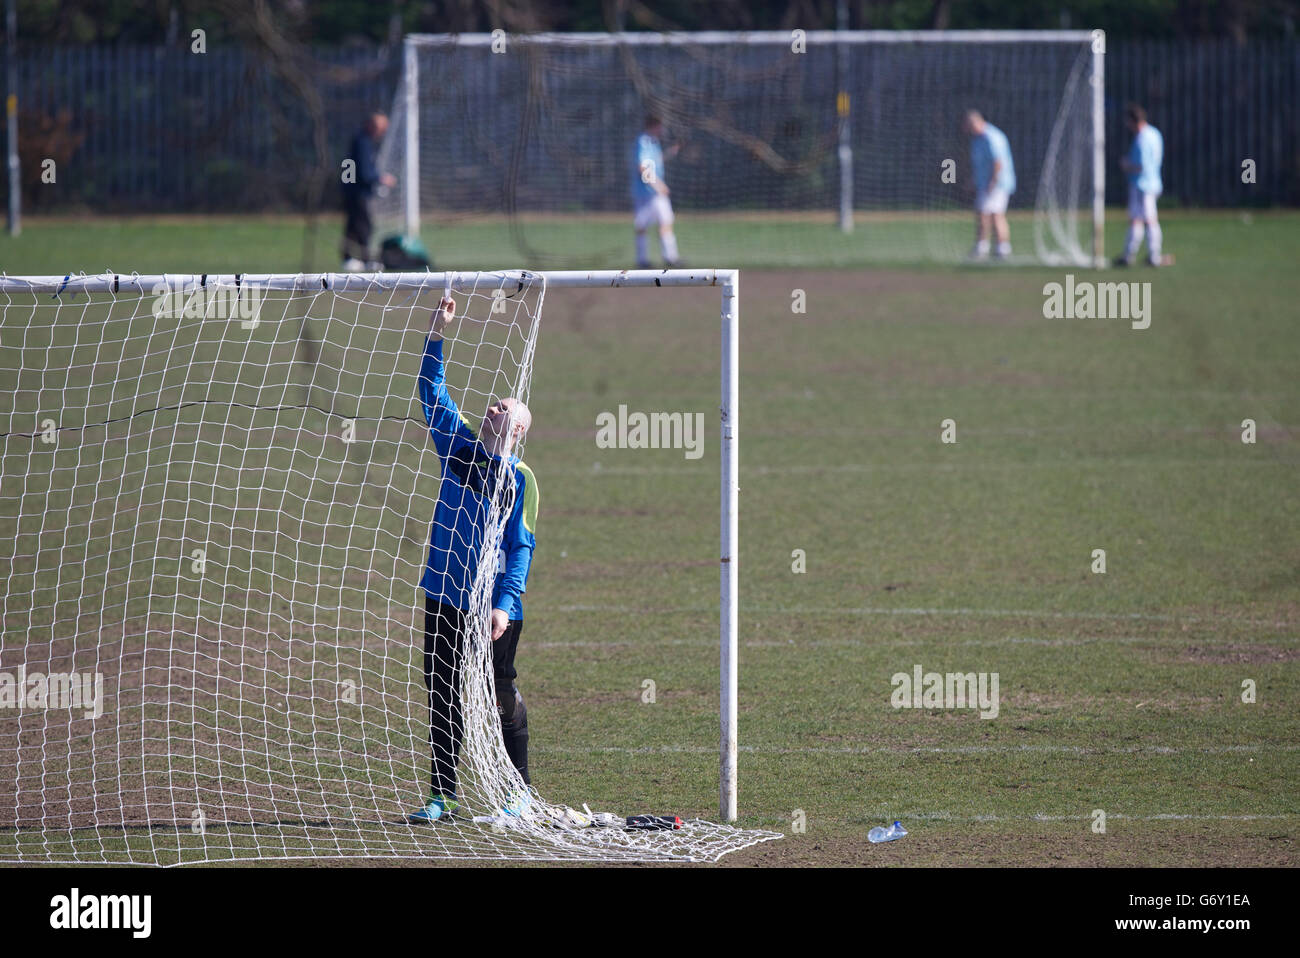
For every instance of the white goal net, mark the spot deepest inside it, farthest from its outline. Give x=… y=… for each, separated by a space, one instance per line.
x=216 y=495
x=774 y=141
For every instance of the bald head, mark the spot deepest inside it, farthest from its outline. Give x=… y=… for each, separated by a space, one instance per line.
x=505 y=424
x=973 y=122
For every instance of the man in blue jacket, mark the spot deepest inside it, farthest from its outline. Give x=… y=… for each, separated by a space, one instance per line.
x=359 y=185
x=475 y=467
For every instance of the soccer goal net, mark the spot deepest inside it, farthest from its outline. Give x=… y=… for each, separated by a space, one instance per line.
x=216 y=498
x=783 y=148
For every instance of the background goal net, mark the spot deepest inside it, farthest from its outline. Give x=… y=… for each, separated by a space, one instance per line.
x=215 y=506
x=797 y=136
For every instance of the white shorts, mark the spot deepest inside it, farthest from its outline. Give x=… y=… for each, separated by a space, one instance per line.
x=1141 y=206
x=992 y=201
x=656 y=210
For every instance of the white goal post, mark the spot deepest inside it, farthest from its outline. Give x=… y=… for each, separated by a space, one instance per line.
x=738 y=94
x=171 y=397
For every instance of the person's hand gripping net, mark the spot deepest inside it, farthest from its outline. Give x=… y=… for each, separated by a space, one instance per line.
x=442 y=317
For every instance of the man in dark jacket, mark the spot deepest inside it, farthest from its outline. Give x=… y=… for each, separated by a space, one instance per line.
x=360 y=178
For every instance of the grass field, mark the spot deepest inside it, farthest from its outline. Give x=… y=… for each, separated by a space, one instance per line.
x=1119 y=691
x=457 y=241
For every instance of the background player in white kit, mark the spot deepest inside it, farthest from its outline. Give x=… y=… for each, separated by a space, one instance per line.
x=995 y=180
x=650 y=195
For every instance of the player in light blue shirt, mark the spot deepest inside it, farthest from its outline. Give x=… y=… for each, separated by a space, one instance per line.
x=1142 y=166
x=650 y=195
x=994 y=175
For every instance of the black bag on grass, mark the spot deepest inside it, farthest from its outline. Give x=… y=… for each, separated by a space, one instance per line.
x=404 y=253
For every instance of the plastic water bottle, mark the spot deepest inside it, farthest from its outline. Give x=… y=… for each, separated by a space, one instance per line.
x=878 y=834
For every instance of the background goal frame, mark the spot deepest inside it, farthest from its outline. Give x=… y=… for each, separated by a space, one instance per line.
x=843 y=41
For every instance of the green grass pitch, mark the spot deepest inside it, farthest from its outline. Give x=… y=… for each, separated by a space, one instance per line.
x=1120 y=692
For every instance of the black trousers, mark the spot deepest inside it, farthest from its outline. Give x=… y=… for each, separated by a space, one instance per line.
x=357 y=227
x=444 y=648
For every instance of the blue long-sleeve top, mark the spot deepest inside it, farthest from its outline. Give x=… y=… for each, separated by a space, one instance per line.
x=468 y=473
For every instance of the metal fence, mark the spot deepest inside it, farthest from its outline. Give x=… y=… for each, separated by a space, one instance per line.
x=163 y=129
x=1218 y=104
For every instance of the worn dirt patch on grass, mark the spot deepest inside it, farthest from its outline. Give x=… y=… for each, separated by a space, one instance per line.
x=1234 y=653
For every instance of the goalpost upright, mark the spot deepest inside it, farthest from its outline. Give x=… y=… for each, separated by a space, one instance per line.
x=1098 y=81
x=729 y=482
x=411 y=111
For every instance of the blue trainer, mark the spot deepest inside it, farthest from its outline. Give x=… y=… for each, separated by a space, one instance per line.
x=439 y=806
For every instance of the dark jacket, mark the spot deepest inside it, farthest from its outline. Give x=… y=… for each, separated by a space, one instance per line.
x=362 y=152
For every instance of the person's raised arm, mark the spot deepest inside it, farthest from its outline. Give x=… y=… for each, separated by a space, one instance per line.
x=446 y=423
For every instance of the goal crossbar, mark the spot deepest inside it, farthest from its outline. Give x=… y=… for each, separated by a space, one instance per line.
x=728 y=280
x=760 y=37
x=354 y=282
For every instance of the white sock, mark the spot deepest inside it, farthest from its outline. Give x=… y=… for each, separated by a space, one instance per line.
x=1136 y=230
x=642 y=248
x=1004 y=249
x=982 y=247
x=668 y=243
x=1155 y=236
